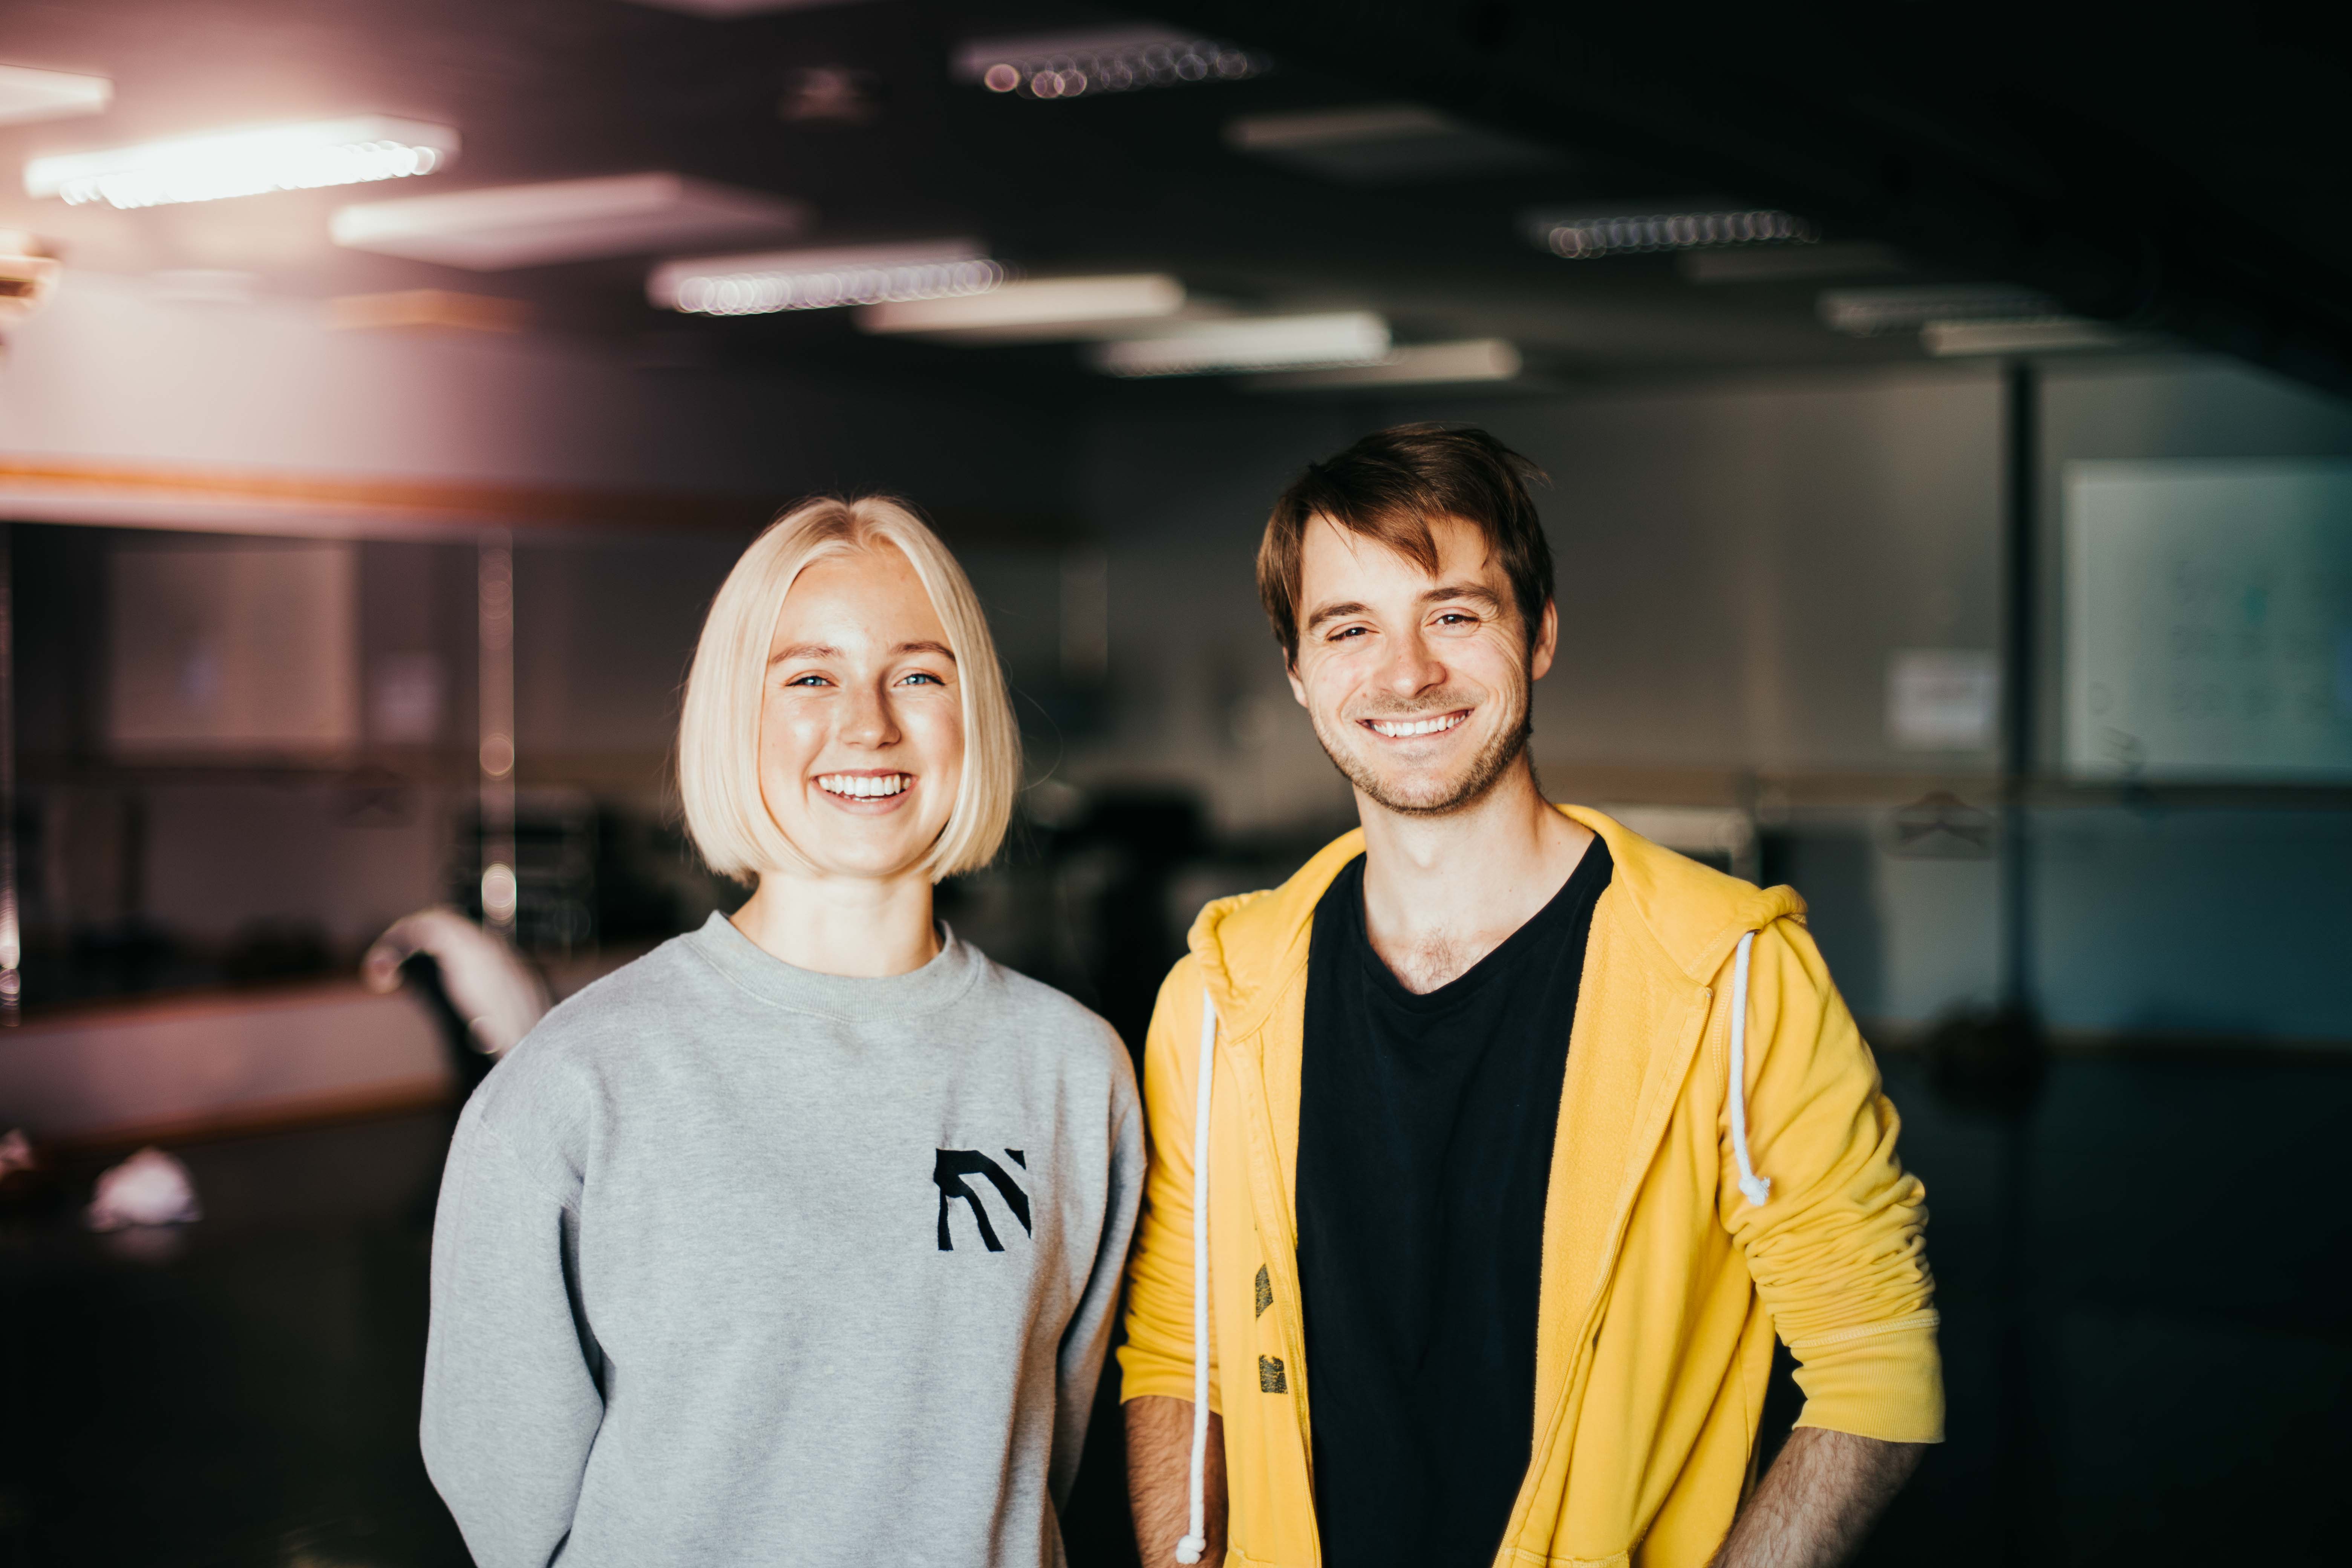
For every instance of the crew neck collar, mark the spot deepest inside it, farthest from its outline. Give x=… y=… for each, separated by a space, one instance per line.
x=853 y=998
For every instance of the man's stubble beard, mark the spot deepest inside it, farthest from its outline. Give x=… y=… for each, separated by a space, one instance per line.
x=1486 y=770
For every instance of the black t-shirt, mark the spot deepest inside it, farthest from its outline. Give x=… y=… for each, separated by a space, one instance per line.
x=1425 y=1149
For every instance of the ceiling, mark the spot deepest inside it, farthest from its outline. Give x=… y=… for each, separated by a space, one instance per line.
x=548 y=89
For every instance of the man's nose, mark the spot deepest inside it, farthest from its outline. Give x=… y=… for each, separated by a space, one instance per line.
x=1411 y=669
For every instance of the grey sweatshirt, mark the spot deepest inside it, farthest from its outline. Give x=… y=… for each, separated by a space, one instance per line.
x=738 y=1263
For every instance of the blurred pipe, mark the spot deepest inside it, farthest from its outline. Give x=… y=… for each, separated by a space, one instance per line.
x=12 y=945
x=2014 y=1047
x=1086 y=617
x=2018 y=543
x=494 y=601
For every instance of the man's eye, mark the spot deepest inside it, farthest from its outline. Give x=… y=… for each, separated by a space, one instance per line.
x=1348 y=632
x=1459 y=616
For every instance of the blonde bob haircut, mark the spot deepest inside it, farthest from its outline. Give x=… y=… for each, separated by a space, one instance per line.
x=719 y=735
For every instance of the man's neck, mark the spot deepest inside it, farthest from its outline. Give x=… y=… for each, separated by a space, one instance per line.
x=1442 y=893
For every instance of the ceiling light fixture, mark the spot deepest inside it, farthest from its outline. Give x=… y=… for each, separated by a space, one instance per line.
x=1414 y=365
x=251 y=162
x=1122 y=59
x=1871 y=312
x=502 y=226
x=1035 y=310
x=2050 y=334
x=1582 y=236
x=27 y=95
x=27 y=276
x=1248 y=345
x=822 y=280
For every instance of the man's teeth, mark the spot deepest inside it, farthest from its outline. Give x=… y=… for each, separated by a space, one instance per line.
x=1400 y=728
x=863 y=786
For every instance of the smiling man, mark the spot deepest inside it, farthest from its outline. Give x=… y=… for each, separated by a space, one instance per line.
x=1508 y=1139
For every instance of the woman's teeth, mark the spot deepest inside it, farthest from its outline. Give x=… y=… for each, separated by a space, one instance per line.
x=864 y=786
x=1398 y=729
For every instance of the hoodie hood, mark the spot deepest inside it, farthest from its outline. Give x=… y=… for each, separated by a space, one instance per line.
x=1250 y=944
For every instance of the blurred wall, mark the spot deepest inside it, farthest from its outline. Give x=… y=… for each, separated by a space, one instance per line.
x=113 y=369
x=2201 y=911
x=1737 y=562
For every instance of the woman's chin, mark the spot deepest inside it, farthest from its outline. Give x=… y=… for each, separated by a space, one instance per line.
x=885 y=851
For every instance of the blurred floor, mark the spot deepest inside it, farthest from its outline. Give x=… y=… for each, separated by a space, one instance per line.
x=245 y=1393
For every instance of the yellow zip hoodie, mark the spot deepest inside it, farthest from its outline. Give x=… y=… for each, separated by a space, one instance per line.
x=1663 y=1284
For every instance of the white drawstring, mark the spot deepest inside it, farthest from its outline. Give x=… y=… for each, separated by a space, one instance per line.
x=1189 y=1550
x=1758 y=1188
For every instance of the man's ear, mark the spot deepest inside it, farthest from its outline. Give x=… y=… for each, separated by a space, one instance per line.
x=1290 y=673
x=1547 y=642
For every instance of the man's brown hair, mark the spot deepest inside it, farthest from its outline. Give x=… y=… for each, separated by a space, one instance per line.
x=1389 y=487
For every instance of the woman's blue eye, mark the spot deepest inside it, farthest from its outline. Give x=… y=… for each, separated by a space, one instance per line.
x=927 y=675
x=806 y=680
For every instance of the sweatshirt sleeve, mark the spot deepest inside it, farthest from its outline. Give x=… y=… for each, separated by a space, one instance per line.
x=511 y=1399
x=1837 y=1248
x=1157 y=1356
x=1086 y=1341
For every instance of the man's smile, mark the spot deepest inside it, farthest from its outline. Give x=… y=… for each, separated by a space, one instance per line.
x=1406 y=728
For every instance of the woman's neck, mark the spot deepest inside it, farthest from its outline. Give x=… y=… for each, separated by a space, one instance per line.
x=857 y=926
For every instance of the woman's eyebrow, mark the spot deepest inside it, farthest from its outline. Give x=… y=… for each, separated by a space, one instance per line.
x=805 y=650
x=938 y=647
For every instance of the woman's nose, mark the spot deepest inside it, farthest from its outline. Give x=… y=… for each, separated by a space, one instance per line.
x=870 y=721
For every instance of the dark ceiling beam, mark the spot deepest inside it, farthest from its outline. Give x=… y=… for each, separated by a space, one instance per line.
x=2000 y=149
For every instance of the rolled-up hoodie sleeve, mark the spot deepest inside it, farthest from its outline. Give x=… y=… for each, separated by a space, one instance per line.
x=1157 y=1356
x=1837 y=1249
x=511 y=1400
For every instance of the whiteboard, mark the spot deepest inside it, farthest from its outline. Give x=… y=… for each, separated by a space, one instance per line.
x=2209 y=620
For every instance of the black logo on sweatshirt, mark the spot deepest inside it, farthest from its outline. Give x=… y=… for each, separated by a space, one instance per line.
x=948 y=1174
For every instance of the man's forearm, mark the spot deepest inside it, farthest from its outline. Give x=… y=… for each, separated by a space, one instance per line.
x=1160 y=1479
x=1818 y=1500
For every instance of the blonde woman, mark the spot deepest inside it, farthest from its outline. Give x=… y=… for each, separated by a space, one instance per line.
x=796 y=1241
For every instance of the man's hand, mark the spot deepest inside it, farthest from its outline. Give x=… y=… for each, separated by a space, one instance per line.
x=1160 y=1479
x=1816 y=1503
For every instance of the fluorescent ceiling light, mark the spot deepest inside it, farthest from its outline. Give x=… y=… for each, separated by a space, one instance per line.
x=821 y=279
x=1249 y=344
x=1868 y=313
x=1416 y=365
x=251 y=162
x=1036 y=310
x=1628 y=230
x=1375 y=143
x=2058 y=335
x=570 y=220
x=1116 y=59
x=27 y=95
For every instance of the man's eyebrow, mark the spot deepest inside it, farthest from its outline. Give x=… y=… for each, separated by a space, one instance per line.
x=1487 y=597
x=1335 y=612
